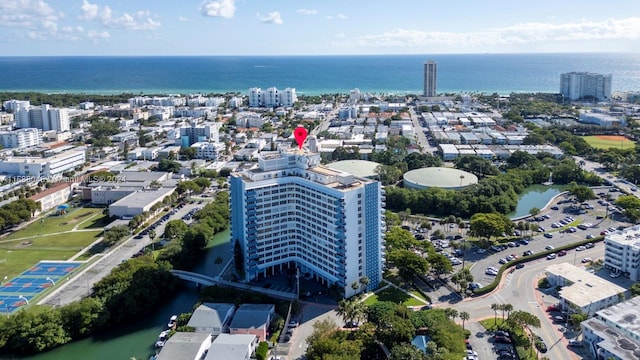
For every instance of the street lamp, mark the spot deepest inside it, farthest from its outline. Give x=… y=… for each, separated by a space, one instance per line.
x=53 y=283
x=23 y=298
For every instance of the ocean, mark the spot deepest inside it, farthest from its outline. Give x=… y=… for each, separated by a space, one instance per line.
x=310 y=75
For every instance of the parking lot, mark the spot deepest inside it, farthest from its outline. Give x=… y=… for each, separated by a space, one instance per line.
x=562 y=223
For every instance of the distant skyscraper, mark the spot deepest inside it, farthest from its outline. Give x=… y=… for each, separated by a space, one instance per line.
x=430 y=77
x=585 y=86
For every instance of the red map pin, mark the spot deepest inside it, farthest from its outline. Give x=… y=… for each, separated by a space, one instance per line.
x=300 y=134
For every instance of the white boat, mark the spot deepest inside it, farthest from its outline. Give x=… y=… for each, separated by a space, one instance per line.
x=172 y=321
x=162 y=338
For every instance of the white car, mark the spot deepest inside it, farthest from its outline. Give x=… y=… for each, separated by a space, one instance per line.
x=580 y=248
x=615 y=274
x=481 y=251
x=548 y=247
x=586 y=260
x=551 y=256
x=471 y=353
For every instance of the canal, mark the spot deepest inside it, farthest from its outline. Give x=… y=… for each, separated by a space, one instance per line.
x=137 y=339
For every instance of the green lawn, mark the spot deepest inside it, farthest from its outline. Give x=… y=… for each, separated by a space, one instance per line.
x=394 y=295
x=17 y=256
x=97 y=221
x=54 y=223
x=14 y=262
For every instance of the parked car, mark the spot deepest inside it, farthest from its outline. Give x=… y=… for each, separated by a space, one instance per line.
x=586 y=260
x=548 y=235
x=519 y=265
x=549 y=247
x=562 y=252
x=551 y=256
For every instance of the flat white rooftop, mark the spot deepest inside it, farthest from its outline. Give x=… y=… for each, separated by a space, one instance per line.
x=587 y=288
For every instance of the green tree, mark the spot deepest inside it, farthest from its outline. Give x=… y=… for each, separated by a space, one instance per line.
x=169 y=166
x=175 y=229
x=462 y=278
x=582 y=193
x=406 y=351
x=489 y=224
x=408 y=263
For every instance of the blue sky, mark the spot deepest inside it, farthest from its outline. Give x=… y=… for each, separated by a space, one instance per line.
x=309 y=27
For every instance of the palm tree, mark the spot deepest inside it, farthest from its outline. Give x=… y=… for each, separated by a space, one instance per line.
x=452 y=313
x=364 y=282
x=344 y=309
x=508 y=308
x=495 y=307
x=464 y=316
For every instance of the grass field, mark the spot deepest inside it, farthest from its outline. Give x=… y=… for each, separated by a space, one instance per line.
x=609 y=141
x=44 y=241
x=58 y=223
x=394 y=295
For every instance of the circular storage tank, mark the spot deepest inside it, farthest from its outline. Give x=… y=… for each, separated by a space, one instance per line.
x=360 y=168
x=440 y=177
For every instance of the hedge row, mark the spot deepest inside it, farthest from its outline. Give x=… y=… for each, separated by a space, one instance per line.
x=489 y=288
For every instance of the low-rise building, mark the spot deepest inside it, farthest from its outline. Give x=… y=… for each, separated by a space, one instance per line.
x=20 y=138
x=614 y=333
x=208 y=150
x=622 y=252
x=252 y=319
x=55 y=195
x=185 y=346
x=139 y=202
x=47 y=168
x=232 y=347
x=583 y=290
x=212 y=318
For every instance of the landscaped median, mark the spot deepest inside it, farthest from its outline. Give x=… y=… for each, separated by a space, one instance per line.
x=489 y=288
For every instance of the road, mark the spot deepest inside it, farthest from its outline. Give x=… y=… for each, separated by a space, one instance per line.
x=598 y=169
x=81 y=283
x=420 y=135
x=519 y=289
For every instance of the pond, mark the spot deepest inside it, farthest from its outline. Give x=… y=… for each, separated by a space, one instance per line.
x=536 y=196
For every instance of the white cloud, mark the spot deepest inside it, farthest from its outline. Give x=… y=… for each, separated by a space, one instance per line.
x=140 y=20
x=223 y=8
x=89 y=11
x=92 y=34
x=342 y=16
x=307 y=11
x=525 y=33
x=182 y=18
x=272 y=18
x=30 y=14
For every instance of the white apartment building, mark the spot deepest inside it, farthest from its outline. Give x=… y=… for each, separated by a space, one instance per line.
x=14 y=105
x=208 y=150
x=614 y=333
x=43 y=117
x=272 y=97
x=622 y=252
x=585 y=86
x=289 y=213
x=20 y=138
x=207 y=131
x=49 y=167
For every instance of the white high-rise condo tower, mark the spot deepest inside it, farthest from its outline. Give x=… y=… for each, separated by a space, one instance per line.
x=289 y=214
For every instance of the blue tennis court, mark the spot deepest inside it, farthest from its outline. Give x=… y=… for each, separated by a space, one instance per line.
x=18 y=291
